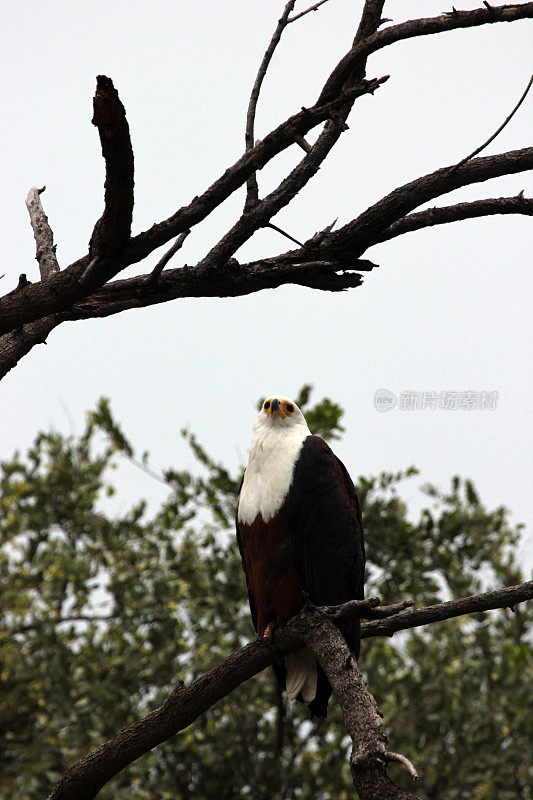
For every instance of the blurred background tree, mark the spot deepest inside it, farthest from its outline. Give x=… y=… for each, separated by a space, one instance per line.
x=101 y=615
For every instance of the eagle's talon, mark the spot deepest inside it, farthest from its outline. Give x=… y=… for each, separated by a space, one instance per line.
x=269 y=631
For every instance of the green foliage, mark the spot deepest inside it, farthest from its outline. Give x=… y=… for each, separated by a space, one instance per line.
x=103 y=613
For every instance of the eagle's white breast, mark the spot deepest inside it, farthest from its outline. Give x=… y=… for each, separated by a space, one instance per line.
x=273 y=454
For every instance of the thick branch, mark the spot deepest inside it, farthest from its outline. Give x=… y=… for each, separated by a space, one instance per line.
x=85 y=778
x=458 y=212
x=357 y=236
x=419 y=27
x=240 y=279
x=232 y=280
x=113 y=229
x=18 y=343
x=44 y=237
x=362 y=717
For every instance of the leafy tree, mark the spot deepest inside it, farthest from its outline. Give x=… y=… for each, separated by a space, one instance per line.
x=102 y=614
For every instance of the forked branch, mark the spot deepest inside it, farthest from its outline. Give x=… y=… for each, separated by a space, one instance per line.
x=186 y=703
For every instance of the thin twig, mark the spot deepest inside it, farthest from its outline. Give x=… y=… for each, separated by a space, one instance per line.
x=252 y=190
x=89 y=271
x=161 y=264
x=303 y=143
x=500 y=129
x=284 y=233
x=401 y=759
x=307 y=10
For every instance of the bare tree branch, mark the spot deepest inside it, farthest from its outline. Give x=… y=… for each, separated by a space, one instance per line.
x=185 y=703
x=233 y=280
x=362 y=718
x=64 y=289
x=260 y=215
x=500 y=129
x=252 y=190
x=161 y=264
x=458 y=212
x=327 y=261
x=501 y=598
x=44 y=237
x=113 y=229
x=419 y=27
x=357 y=236
x=18 y=343
x=307 y=10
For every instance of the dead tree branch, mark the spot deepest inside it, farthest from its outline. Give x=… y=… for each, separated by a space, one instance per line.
x=252 y=190
x=419 y=27
x=161 y=264
x=458 y=212
x=327 y=261
x=44 y=237
x=110 y=252
x=307 y=10
x=500 y=129
x=364 y=231
x=186 y=703
x=362 y=718
x=113 y=229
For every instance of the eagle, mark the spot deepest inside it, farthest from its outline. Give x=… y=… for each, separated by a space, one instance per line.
x=300 y=535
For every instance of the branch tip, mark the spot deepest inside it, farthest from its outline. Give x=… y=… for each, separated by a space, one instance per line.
x=389 y=757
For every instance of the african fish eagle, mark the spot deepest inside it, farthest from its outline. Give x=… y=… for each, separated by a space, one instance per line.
x=299 y=529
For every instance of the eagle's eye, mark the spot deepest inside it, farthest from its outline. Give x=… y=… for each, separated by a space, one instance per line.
x=290 y=408
x=267 y=405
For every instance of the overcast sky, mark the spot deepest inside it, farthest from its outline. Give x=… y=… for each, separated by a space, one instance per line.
x=446 y=311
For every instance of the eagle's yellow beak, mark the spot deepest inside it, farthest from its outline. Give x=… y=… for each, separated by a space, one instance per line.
x=279 y=410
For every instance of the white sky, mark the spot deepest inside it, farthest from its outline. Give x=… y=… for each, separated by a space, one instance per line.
x=445 y=311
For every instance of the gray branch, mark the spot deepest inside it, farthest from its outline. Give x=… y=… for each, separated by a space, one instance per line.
x=44 y=237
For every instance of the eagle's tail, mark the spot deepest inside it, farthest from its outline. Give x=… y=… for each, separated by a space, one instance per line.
x=301 y=675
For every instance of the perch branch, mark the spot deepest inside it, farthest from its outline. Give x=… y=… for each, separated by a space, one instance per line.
x=86 y=777
x=362 y=718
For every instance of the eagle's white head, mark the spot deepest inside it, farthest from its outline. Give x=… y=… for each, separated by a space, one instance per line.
x=280 y=414
x=279 y=432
